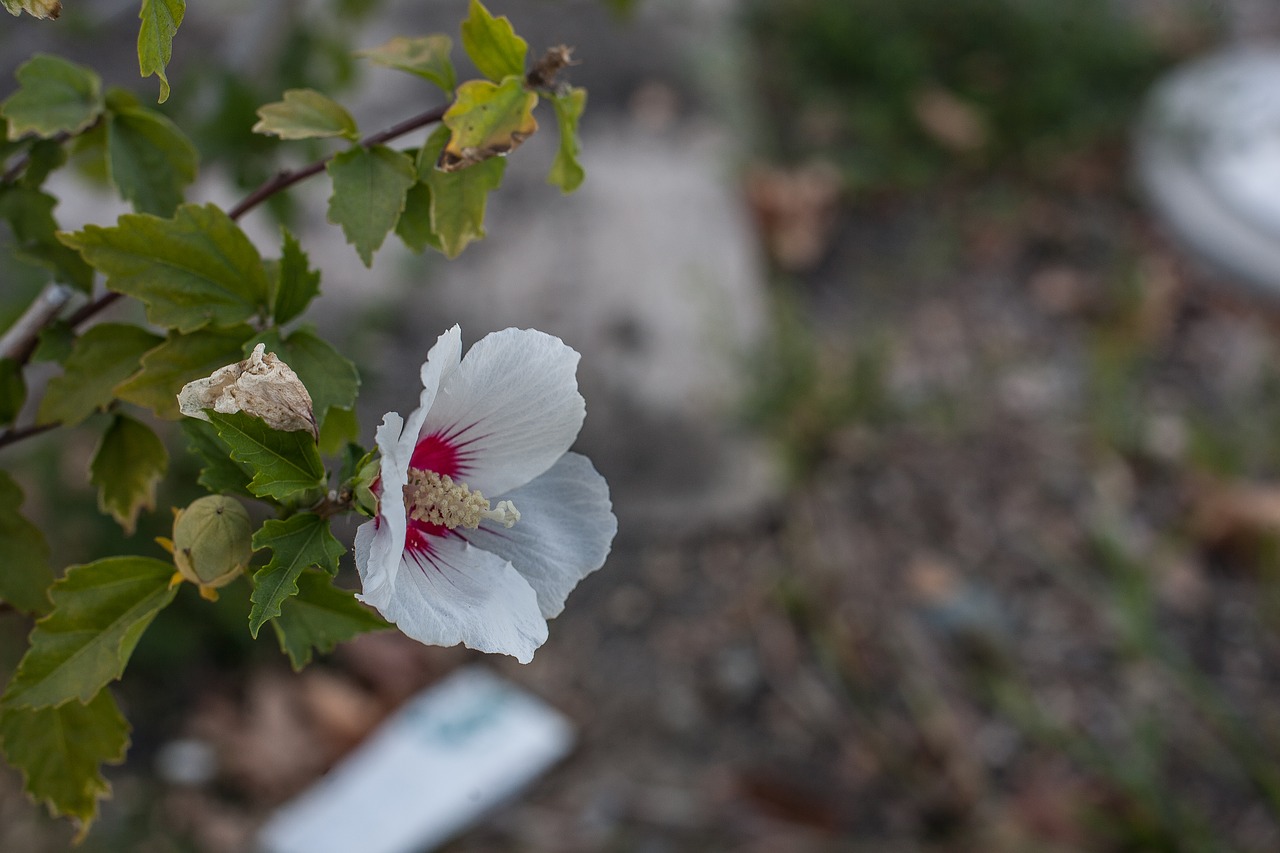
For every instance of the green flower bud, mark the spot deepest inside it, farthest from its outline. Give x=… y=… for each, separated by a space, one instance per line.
x=211 y=542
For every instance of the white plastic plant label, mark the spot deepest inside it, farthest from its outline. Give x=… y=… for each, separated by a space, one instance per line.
x=452 y=753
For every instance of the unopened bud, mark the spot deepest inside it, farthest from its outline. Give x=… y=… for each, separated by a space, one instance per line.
x=211 y=541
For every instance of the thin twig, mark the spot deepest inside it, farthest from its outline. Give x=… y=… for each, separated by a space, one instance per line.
x=19 y=342
x=289 y=178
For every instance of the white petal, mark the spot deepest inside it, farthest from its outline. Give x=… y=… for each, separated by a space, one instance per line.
x=442 y=361
x=512 y=408
x=396 y=439
x=565 y=530
x=461 y=594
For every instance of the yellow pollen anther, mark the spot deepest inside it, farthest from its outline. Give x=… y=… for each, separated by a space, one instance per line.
x=437 y=499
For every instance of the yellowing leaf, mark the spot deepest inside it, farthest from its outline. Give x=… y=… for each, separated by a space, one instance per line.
x=38 y=8
x=457 y=199
x=305 y=114
x=160 y=22
x=566 y=171
x=492 y=44
x=128 y=463
x=427 y=57
x=487 y=120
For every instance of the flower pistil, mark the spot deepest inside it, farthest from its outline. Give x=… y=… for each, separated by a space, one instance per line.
x=436 y=499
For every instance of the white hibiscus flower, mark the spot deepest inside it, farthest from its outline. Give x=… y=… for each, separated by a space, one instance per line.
x=443 y=562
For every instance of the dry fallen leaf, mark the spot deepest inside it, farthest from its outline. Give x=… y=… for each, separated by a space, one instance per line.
x=261 y=385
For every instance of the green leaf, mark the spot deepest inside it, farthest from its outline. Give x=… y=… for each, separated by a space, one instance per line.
x=487 y=120
x=149 y=159
x=25 y=575
x=414 y=227
x=305 y=114
x=29 y=213
x=319 y=617
x=130 y=460
x=192 y=270
x=43 y=157
x=102 y=357
x=221 y=474
x=566 y=171
x=13 y=390
x=340 y=427
x=177 y=361
x=284 y=464
x=56 y=342
x=492 y=44
x=54 y=96
x=60 y=752
x=369 y=186
x=296 y=285
x=457 y=198
x=426 y=56
x=100 y=610
x=160 y=22
x=300 y=542
x=38 y=8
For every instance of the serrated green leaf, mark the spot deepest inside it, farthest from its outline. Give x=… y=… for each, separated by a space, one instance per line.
x=25 y=575
x=457 y=198
x=492 y=44
x=102 y=357
x=566 y=171
x=284 y=464
x=300 y=542
x=60 y=752
x=29 y=213
x=149 y=159
x=425 y=56
x=221 y=474
x=319 y=617
x=177 y=361
x=487 y=120
x=305 y=114
x=340 y=427
x=296 y=283
x=160 y=22
x=369 y=186
x=128 y=463
x=13 y=390
x=100 y=610
x=54 y=96
x=414 y=226
x=37 y=8
x=195 y=269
